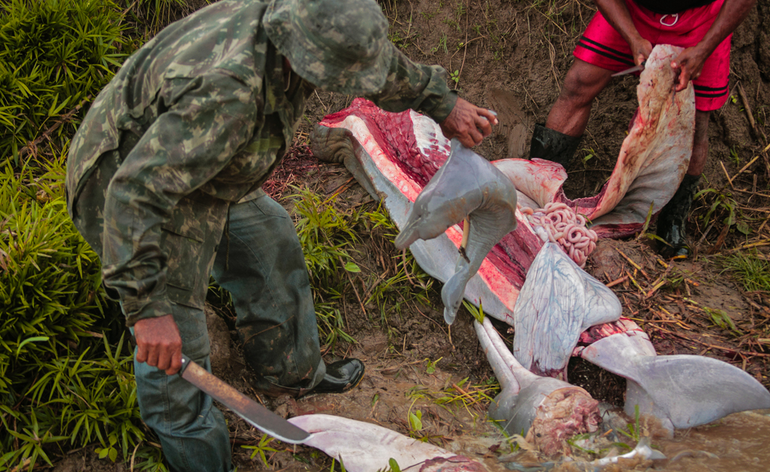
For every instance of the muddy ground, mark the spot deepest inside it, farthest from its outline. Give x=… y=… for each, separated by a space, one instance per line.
x=512 y=57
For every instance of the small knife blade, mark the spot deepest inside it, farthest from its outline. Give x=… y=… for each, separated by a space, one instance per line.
x=251 y=411
x=630 y=70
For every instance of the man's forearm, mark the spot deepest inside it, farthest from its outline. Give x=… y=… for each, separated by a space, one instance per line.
x=417 y=86
x=617 y=15
x=732 y=14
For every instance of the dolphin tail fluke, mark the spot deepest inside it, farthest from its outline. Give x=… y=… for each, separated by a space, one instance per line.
x=681 y=390
x=693 y=390
x=557 y=302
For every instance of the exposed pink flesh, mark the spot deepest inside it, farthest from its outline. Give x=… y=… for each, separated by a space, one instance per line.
x=659 y=144
x=548 y=411
x=652 y=161
x=656 y=150
x=393 y=142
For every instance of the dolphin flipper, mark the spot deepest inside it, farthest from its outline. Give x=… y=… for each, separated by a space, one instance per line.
x=487 y=225
x=681 y=390
x=557 y=302
x=467 y=185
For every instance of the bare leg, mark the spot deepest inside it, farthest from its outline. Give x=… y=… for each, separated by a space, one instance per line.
x=558 y=140
x=569 y=115
x=700 y=145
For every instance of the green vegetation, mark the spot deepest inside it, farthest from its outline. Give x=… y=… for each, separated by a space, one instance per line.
x=66 y=377
x=752 y=273
x=328 y=234
x=66 y=371
x=477 y=313
x=54 y=55
x=325 y=234
x=721 y=204
x=393 y=465
x=261 y=448
x=460 y=395
x=634 y=429
x=409 y=285
x=156 y=14
x=722 y=320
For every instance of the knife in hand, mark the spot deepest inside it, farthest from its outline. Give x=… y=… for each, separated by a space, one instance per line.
x=630 y=70
x=251 y=411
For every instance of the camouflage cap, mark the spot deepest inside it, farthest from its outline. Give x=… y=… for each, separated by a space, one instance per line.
x=338 y=45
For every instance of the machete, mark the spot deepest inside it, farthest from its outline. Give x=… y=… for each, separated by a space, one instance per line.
x=251 y=411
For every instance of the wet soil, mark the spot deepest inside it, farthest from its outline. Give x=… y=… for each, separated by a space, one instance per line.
x=512 y=56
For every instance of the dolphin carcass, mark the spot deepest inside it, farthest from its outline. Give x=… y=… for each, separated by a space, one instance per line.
x=365 y=447
x=521 y=280
x=395 y=155
x=546 y=410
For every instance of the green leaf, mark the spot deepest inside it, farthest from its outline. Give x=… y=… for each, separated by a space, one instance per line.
x=352 y=267
x=415 y=420
x=477 y=313
x=30 y=340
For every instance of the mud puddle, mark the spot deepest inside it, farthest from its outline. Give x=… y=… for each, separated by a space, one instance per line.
x=738 y=442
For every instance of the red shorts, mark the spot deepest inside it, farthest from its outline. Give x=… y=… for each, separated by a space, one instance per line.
x=602 y=46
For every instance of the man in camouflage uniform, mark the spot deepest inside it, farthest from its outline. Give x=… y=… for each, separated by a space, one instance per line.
x=171 y=157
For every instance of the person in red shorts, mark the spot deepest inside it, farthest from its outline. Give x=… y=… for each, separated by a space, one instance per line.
x=621 y=35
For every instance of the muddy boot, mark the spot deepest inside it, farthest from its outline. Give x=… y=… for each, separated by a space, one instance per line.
x=673 y=218
x=340 y=376
x=553 y=145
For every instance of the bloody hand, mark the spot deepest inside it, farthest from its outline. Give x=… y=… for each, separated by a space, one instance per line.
x=689 y=65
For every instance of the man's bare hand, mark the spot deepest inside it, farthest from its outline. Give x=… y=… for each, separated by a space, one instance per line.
x=617 y=15
x=641 y=49
x=468 y=123
x=689 y=65
x=159 y=343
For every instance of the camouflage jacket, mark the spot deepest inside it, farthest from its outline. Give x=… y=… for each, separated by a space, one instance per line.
x=207 y=103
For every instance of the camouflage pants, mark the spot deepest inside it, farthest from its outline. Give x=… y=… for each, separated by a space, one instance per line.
x=261 y=263
x=262 y=266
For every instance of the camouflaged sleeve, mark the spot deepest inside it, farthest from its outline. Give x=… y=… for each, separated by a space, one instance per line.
x=209 y=119
x=416 y=86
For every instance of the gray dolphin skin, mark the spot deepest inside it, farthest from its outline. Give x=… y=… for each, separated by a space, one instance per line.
x=467 y=185
x=365 y=447
x=530 y=285
x=557 y=302
x=435 y=256
x=338 y=145
x=682 y=391
x=545 y=410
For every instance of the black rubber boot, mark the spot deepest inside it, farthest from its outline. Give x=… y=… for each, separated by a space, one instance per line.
x=673 y=218
x=340 y=376
x=553 y=145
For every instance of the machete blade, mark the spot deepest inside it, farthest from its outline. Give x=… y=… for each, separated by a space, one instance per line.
x=251 y=411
